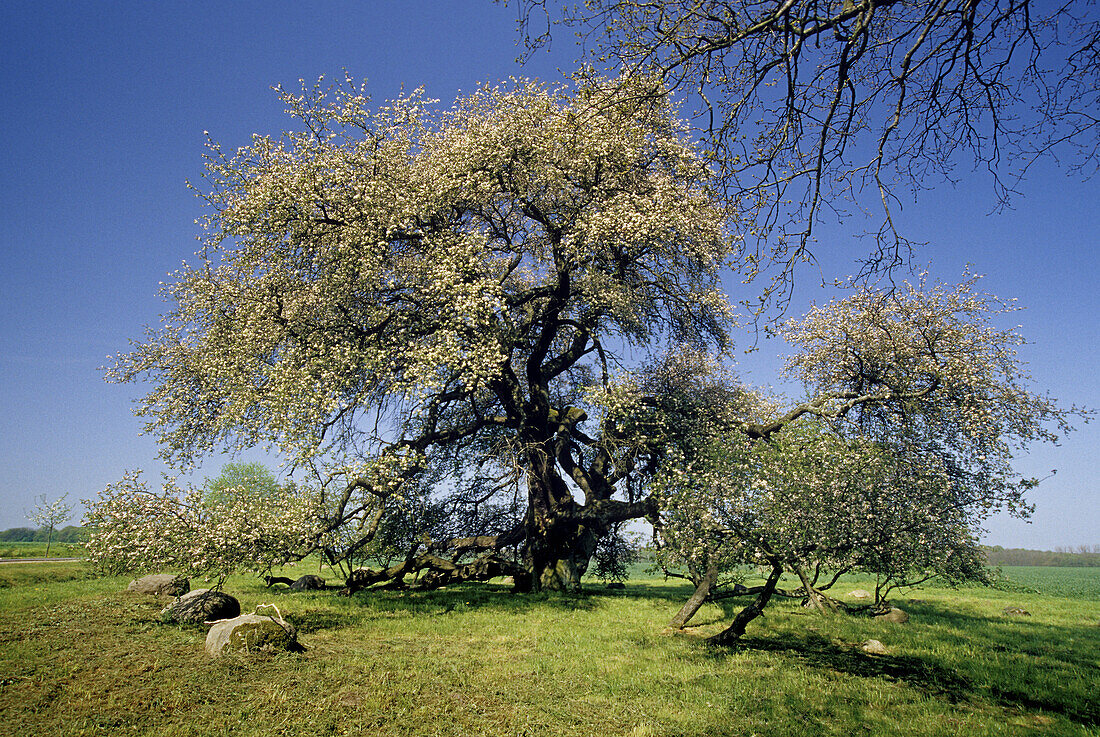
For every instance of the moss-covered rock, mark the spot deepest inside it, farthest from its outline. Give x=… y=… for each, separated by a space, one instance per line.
x=893 y=614
x=252 y=633
x=202 y=605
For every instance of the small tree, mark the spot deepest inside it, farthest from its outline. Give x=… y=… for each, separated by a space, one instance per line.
x=135 y=528
x=615 y=553
x=918 y=406
x=241 y=480
x=49 y=515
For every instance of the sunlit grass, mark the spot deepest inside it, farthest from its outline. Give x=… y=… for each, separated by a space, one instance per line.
x=83 y=657
x=20 y=549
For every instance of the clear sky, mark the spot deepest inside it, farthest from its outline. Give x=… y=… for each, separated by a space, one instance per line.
x=104 y=108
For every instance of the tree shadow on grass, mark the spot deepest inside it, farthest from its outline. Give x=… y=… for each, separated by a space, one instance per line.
x=312 y=621
x=820 y=652
x=1060 y=653
x=926 y=674
x=470 y=596
x=333 y=611
x=1072 y=645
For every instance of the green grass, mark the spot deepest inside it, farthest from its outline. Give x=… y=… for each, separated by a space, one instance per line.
x=38 y=550
x=79 y=656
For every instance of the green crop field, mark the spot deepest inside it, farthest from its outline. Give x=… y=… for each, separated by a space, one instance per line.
x=80 y=656
x=1071 y=582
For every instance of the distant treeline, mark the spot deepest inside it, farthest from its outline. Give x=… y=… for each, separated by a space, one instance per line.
x=70 y=534
x=998 y=556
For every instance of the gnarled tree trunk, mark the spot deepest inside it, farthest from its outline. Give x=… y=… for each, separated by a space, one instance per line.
x=815 y=596
x=557 y=552
x=733 y=633
x=692 y=605
x=560 y=542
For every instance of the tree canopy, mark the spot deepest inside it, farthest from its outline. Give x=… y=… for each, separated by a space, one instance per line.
x=812 y=109
x=485 y=336
x=917 y=406
x=385 y=292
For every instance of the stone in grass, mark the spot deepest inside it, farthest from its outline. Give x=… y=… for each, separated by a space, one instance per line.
x=251 y=633
x=308 y=582
x=160 y=584
x=202 y=605
x=859 y=594
x=893 y=614
x=874 y=647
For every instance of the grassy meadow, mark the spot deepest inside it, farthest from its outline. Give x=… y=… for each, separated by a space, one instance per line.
x=80 y=656
x=19 y=549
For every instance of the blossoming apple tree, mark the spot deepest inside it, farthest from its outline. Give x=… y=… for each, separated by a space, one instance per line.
x=49 y=515
x=918 y=404
x=212 y=530
x=430 y=315
x=392 y=292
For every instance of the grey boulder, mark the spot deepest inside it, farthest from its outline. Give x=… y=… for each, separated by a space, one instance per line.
x=202 y=605
x=308 y=582
x=160 y=584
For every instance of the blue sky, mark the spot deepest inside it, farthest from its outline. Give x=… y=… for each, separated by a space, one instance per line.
x=104 y=110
